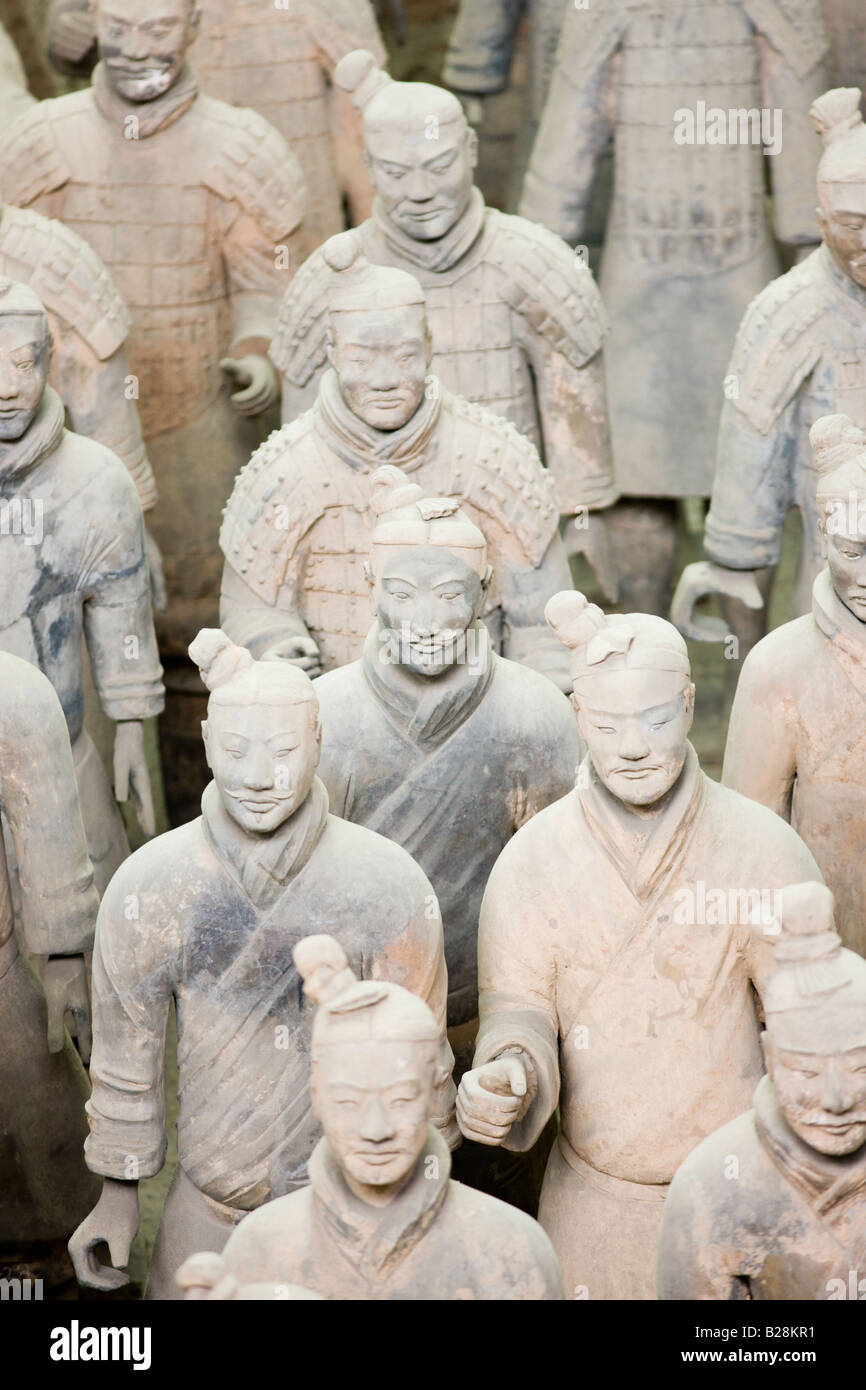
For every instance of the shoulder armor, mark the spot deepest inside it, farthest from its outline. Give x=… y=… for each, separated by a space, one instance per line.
x=342 y=26
x=550 y=287
x=794 y=27
x=67 y=274
x=300 y=338
x=284 y=472
x=587 y=39
x=254 y=167
x=777 y=346
x=31 y=160
x=507 y=480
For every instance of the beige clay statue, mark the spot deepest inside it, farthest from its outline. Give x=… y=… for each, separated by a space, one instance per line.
x=434 y=740
x=297 y=529
x=773 y=1205
x=278 y=59
x=15 y=99
x=73 y=567
x=194 y=206
x=797 y=736
x=516 y=319
x=621 y=942
x=695 y=94
x=207 y=915
x=800 y=354
x=44 y=1186
x=846 y=30
x=381 y=1219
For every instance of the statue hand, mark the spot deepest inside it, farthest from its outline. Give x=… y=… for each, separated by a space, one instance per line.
x=204 y=1276
x=258 y=380
x=72 y=36
x=705 y=577
x=158 y=595
x=588 y=534
x=114 y=1221
x=64 y=981
x=491 y=1099
x=131 y=777
x=300 y=651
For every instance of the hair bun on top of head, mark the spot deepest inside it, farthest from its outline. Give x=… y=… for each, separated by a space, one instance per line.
x=574 y=620
x=834 y=440
x=836 y=113
x=359 y=74
x=217 y=657
x=342 y=251
x=390 y=490
x=322 y=965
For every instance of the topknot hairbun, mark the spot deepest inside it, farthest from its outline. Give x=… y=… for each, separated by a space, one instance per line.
x=573 y=619
x=217 y=657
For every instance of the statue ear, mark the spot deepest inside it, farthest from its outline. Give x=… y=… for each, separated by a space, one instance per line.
x=472 y=147
x=822 y=222
x=767 y=1049
x=330 y=347
x=194 y=23
x=205 y=734
x=370 y=577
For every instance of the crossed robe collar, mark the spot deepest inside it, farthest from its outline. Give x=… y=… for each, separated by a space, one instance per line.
x=447 y=250
x=150 y=116
x=843 y=630
x=363 y=446
x=428 y=710
x=375 y=1240
x=264 y=864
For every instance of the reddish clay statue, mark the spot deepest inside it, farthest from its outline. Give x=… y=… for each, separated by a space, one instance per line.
x=797 y=736
x=297 y=528
x=773 y=1205
x=45 y=1186
x=73 y=567
x=208 y=915
x=381 y=1219
x=278 y=59
x=622 y=937
x=194 y=206
x=800 y=354
x=694 y=93
x=516 y=319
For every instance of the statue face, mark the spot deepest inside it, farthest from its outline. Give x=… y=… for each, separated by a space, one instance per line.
x=823 y=1096
x=263 y=758
x=373 y=1101
x=382 y=358
x=427 y=598
x=846 y=558
x=636 y=726
x=424 y=184
x=25 y=360
x=842 y=218
x=143 y=43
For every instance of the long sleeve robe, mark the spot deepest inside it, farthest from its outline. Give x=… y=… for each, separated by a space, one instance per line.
x=450 y=771
x=754 y=1213
x=797 y=743
x=45 y=1189
x=435 y=1241
x=209 y=916
x=633 y=997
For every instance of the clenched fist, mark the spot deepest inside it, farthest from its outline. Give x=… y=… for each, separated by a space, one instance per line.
x=491 y=1099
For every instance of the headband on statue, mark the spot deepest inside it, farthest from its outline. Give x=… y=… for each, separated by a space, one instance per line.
x=406 y=519
x=839 y=449
x=357 y=284
x=815 y=980
x=627 y=642
x=386 y=105
x=355 y=1011
x=234 y=678
x=836 y=117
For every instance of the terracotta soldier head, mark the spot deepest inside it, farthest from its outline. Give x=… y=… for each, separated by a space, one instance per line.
x=427 y=571
x=378 y=342
x=815 y=1043
x=262 y=735
x=420 y=151
x=839 y=447
x=143 y=43
x=842 y=179
x=26 y=348
x=375 y=1064
x=633 y=694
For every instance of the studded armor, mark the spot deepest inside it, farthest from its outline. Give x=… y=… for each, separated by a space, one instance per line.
x=688 y=241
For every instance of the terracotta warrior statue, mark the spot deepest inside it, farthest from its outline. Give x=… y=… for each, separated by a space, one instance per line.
x=437 y=742
x=278 y=59
x=846 y=30
x=797 y=736
x=208 y=914
x=45 y=1186
x=773 y=1205
x=297 y=528
x=14 y=96
x=195 y=208
x=688 y=243
x=382 y=1219
x=516 y=319
x=623 y=935
x=800 y=354
x=72 y=567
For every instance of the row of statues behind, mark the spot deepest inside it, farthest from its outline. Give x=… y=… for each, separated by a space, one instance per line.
x=426 y=357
